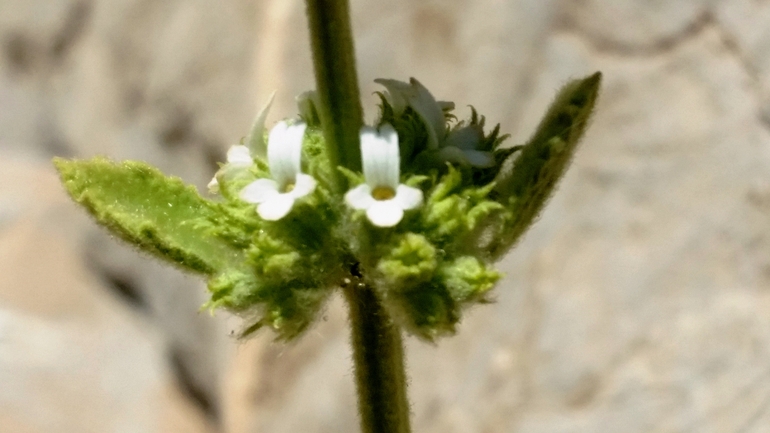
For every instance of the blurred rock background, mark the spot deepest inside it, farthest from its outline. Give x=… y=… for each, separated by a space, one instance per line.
x=640 y=302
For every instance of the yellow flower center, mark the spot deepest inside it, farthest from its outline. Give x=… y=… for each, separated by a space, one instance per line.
x=383 y=193
x=289 y=187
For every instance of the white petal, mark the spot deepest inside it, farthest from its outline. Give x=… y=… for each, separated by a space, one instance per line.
x=385 y=213
x=256 y=137
x=371 y=158
x=480 y=159
x=276 y=207
x=304 y=185
x=360 y=197
x=239 y=155
x=408 y=197
x=213 y=186
x=259 y=191
x=284 y=151
x=391 y=155
x=380 y=156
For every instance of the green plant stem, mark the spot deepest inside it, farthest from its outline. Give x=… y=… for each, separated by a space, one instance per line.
x=379 y=364
x=378 y=351
x=334 y=62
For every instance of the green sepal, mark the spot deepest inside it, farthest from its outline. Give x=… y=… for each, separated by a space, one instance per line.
x=411 y=261
x=451 y=211
x=234 y=222
x=468 y=279
x=412 y=131
x=415 y=180
x=425 y=290
x=273 y=259
x=426 y=311
x=291 y=309
x=353 y=178
x=256 y=140
x=526 y=187
x=158 y=214
x=316 y=159
x=232 y=179
x=288 y=307
x=235 y=290
x=307 y=104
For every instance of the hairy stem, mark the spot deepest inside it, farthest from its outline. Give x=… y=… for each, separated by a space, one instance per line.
x=378 y=351
x=379 y=363
x=331 y=40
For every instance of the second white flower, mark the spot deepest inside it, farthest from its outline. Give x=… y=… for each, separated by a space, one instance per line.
x=382 y=196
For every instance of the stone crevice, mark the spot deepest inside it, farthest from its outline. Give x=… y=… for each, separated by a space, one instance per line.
x=658 y=47
x=196 y=394
x=704 y=22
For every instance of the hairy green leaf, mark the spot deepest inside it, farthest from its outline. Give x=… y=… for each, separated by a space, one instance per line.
x=159 y=214
x=543 y=160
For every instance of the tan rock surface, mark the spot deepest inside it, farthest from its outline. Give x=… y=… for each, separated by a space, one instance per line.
x=73 y=356
x=640 y=302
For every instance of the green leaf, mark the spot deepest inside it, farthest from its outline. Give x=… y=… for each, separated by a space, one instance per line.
x=159 y=214
x=525 y=188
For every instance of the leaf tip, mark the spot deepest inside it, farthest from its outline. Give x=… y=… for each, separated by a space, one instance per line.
x=62 y=165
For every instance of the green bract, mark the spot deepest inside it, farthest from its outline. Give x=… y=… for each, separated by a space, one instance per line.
x=478 y=199
x=158 y=214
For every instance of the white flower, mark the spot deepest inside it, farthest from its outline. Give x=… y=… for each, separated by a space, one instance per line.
x=276 y=196
x=238 y=158
x=382 y=196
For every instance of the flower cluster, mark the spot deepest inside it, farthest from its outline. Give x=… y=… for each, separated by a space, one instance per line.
x=438 y=200
x=409 y=235
x=382 y=196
